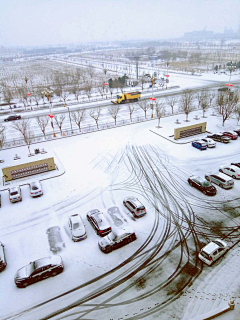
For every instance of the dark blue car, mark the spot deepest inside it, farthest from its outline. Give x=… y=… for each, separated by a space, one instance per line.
x=199 y=145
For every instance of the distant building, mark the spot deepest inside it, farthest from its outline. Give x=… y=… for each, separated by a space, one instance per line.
x=198 y=35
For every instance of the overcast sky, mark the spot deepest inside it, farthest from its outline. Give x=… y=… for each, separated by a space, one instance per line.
x=59 y=22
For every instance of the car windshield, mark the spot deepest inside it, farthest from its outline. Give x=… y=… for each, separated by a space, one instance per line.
x=111 y=236
x=76 y=225
x=218 y=243
x=34 y=187
x=204 y=254
x=30 y=268
x=13 y=193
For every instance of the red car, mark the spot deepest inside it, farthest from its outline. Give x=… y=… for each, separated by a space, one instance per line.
x=231 y=134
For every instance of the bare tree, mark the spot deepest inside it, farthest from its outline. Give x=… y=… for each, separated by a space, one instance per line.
x=43 y=122
x=186 y=102
x=199 y=98
x=2 y=136
x=59 y=121
x=131 y=108
x=95 y=114
x=160 y=110
x=142 y=81
x=237 y=113
x=143 y=104
x=113 y=110
x=78 y=116
x=171 y=102
x=64 y=96
x=226 y=105
x=88 y=89
x=24 y=127
x=36 y=96
x=211 y=97
x=8 y=96
x=204 y=103
x=91 y=71
x=101 y=88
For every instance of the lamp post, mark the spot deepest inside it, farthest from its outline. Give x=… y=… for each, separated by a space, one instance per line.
x=153 y=99
x=51 y=117
x=167 y=75
x=69 y=118
x=106 y=84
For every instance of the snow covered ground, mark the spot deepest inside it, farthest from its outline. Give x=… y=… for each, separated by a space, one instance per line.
x=98 y=170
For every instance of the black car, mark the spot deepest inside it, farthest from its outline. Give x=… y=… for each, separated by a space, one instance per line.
x=237 y=164
x=38 y=270
x=3 y=262
x=14 y=117
x=99 y=222
x=203 y=185
x=219 y=137
x=117 y=239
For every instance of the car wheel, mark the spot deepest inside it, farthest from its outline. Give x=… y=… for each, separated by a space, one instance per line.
x=221 y=185
x=220 y=170
x=54 y=273
x=234 y=177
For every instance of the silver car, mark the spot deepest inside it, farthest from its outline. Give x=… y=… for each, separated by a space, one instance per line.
x=210 y=143
x=15 y=194
x=35 y=188
x=134 y=206
x=231 y=171
x=77 y=227
x=221 y=179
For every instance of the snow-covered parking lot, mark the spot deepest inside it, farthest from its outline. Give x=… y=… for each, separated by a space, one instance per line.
x=156 y=276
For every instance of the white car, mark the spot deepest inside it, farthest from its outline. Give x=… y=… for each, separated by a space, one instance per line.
x=210 y=143
x=15 y=194
x=213 y=251
x=231 y=171
x=77 y=227
x=35 y=188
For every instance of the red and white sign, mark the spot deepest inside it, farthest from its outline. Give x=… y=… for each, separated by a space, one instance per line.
x=51 y=116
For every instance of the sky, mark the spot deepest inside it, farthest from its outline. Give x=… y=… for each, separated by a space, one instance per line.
x=58 y=22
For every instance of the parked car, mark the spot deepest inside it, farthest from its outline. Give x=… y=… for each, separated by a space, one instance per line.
x=15 y=194
x=55 y=239
x=232 y=171
x=203 y=185
x=38 y=270
x=221 y=179
x=237 y=131
x=231 y=134
x=116 y=239
x=99 y=222
x=213 y=251
x=210 y=143
x=134 y=206
x=35 y=188
x=3 y=262
x=199 y=144
x=13 y=117
x=236 y=164
x=219 y=137
x=77 y=227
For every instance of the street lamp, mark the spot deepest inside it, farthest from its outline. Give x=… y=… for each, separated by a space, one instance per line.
x=167 y=75
x=153 y=99
x=106 y=84
x=51 y=117
x=69 y=118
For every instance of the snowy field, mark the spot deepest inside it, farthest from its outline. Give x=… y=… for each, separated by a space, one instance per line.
x=148 y=278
